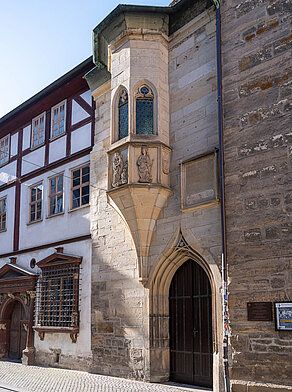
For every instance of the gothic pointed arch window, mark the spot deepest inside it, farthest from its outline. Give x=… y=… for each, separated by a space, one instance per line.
x=144 y=111
x=123 y=108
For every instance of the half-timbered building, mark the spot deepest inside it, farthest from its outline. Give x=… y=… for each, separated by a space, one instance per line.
x=45 y=226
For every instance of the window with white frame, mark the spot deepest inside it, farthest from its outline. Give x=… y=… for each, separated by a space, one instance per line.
x=58 y=119
x=4 y=150
x=38 y=130
x=3 y=212
x=80 y=186
x=56 y=195
x=35 y=203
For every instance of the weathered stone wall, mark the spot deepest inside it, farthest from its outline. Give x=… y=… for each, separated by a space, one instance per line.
x=258 y=143
x=120 y=303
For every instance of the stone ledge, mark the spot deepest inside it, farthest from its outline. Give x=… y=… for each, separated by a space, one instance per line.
x=248 y=386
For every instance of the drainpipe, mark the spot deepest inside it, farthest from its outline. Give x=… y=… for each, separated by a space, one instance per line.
x=222 y=204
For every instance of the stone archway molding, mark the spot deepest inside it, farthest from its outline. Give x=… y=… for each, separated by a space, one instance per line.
x=177 y=252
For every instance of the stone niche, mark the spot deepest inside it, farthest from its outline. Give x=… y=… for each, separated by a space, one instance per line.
x=138 y=186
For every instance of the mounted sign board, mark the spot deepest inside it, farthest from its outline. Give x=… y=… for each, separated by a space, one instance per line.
x=259 y=311
x=283 y=316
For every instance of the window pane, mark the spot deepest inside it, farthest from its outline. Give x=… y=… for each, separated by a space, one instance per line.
x=59 y=203
x=123 y=121
x=75 y=203
x=60 y=183
x=53 y=186
x=39 y=192
x=76 y=177
x=39 y=210
x=85 y=174
x=52 y=205
x=32 y=212
x=144 y=116
x=33 y=194
x=85 y=195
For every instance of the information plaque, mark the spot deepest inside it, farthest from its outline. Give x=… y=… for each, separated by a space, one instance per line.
x=259 y=311
x=283 y=316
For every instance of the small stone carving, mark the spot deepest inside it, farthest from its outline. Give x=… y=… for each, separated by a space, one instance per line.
x=120 y=170
x=144 y=164
x=165 y=164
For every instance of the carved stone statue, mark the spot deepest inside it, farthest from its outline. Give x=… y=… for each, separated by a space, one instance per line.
x=144 y=164
x=120 y=170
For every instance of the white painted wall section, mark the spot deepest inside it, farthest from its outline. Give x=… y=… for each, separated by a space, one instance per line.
x=87 y=97
x=81 y=138
x=78 y=113
x=7 y=173
x=14 y=144
x=26 y=137
x=6 y=237
x=57 y=149
x=33 y=160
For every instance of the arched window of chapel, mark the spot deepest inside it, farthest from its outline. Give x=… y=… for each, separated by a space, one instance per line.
x=144 y=111
x=123 y=114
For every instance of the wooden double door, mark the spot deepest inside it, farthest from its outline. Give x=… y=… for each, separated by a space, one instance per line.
x=17 y=338
x=190 y=310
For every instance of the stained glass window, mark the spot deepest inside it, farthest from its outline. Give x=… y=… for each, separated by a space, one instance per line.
x=144 y=111
x=123 y=114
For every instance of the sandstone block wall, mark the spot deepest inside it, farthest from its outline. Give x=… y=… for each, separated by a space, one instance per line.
x=257 y=140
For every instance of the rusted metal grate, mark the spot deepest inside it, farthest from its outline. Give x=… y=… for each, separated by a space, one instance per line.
x=57 y=297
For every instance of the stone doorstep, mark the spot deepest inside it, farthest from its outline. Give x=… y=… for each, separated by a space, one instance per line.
x=186 y=387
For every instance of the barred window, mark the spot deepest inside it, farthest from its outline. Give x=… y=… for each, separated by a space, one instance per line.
x=80 y=187
x=35 y=204
x=144 y=111
x=3 y=212
x=56 y=195
x=4 y=150
x=58 y=119
x=123 y=114
x=57 y=297
x=38 y=130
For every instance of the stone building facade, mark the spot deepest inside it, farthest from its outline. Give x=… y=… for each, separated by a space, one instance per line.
x=256 y=54
x=151 y=238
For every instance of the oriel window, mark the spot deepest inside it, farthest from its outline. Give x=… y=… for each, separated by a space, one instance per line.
x=56 y=195
x=4 y=150
x=3 y=212
x=38 y=130
x=123 y=114
x=36 y=201
x=58 y=119
x=80 y=187
x=144 y=111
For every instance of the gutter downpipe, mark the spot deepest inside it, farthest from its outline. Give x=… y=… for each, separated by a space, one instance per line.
x=222 y=204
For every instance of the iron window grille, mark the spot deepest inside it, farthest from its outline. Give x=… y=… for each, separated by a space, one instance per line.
x=57 y=297
x=3 y=211
x=4 y=150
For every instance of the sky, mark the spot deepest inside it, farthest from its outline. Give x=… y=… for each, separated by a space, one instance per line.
x=40 y=40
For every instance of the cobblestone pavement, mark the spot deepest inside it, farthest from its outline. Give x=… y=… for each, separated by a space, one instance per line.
x=15 y=377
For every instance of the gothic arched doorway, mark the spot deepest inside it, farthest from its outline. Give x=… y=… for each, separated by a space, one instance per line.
x=17 y=338
x=190 y=326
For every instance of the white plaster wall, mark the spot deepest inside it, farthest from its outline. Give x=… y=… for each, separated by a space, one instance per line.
x=57 y=149
x=7 y=173
x=87 y=97
x=78 y=113
x=26 y=137
x=81 y=138
x=14 y=144
x=55 y=228
x=33 y=160
x=6 y=237
x=62 y=341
